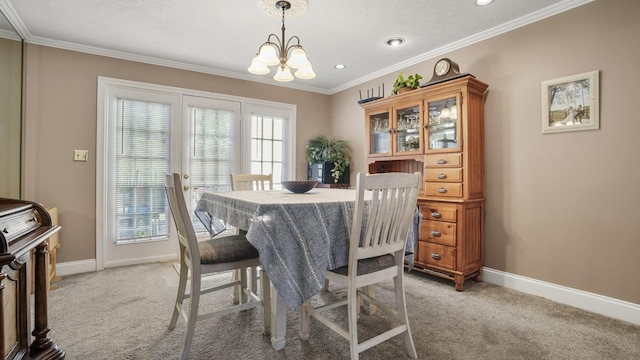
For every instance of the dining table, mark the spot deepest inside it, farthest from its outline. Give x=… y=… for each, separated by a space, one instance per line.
x=298 y=237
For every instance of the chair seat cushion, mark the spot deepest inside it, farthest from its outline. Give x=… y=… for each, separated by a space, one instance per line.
x=368 y=266
x=226 y=249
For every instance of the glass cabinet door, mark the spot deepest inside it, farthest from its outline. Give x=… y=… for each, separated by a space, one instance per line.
x=408 y=131
x=443 y=130
x=379 y=133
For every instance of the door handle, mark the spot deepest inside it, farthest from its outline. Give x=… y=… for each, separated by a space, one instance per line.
x=186 y=187
x=186 y=176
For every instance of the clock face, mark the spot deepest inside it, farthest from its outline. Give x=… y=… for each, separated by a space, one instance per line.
x=442 y=67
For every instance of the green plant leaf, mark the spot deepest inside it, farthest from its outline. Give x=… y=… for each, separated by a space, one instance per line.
x=322 y=149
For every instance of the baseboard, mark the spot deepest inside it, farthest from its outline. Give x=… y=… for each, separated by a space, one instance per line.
x=614 y=308
x=146 y=260
x=90 y=265
x=75 y=267
x=617 y=309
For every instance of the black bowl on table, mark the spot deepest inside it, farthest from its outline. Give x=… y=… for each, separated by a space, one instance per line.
x=299 y=186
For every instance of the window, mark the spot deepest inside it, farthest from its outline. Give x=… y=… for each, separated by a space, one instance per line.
x=142 y=157
x=267 y=146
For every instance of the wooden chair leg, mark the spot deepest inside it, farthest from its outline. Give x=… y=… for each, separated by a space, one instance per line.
x=253 y=278
x=192 y=315
x=243 y=285
x=304 y=322
x=352 y=312
x=182 y=287
x=237 y=290
x=401 y=306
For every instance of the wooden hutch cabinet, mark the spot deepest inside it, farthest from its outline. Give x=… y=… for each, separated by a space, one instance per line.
x=447 y=119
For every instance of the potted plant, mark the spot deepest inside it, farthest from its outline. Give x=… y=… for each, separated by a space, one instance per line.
x=410 y=83
x=328 y=156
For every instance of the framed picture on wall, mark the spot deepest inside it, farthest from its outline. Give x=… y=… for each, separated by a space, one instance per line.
x=571 y=103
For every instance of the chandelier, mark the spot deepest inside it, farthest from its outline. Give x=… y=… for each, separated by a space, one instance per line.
x=286 y=55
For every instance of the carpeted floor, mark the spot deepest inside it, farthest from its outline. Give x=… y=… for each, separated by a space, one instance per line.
x=122 y=314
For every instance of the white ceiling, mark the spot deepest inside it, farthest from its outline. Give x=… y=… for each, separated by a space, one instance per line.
x=221 y=37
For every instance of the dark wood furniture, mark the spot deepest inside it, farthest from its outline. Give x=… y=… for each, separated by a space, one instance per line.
x=439 y=131
x=24 y=227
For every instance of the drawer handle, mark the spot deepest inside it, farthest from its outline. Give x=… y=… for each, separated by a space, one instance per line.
x=441 y=176
x=435 y=256
x=436 y=233
x=435 y=214
x=442 y=161
x=442 y=190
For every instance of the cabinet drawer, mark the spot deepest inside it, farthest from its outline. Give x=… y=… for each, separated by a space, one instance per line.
x=438 y=211
x=444 y=189
x=437 y=255
x=443 y=175
x=439 y=232
x=443 y=160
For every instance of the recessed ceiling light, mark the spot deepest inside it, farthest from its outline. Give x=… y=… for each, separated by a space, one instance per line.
x=395 y=41
x=339 y=66
x=483 y=2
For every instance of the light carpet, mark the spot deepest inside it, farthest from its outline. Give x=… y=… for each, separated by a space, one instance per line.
x=123 y=313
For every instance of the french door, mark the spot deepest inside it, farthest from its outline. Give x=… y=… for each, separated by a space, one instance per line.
x=147 y=134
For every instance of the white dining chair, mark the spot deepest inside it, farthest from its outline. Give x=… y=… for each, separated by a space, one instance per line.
x=376 y=254
x=200 y=258
x=255 y=182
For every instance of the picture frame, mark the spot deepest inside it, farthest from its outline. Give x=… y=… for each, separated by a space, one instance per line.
x=571 y=103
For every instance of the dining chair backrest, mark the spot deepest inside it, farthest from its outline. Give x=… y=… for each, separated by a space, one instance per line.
x=186 y=233
x=256 y=182
x=381 y=226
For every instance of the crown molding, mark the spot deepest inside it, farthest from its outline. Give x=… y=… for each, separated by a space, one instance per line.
x=549 y=11
x=483 y=35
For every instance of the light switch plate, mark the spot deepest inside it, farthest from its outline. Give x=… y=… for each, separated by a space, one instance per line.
x=80 y=155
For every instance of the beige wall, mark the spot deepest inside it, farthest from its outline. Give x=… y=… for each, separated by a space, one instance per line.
x=10 y=131
x=560 y=207
x=61 y=98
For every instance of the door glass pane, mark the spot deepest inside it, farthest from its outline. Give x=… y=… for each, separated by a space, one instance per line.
x=142 y=159
x=211 y=158
x=443 y=116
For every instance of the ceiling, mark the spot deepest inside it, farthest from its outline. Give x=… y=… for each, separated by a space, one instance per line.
x=221 y=37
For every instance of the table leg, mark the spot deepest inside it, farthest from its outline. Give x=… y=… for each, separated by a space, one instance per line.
x=278 y=320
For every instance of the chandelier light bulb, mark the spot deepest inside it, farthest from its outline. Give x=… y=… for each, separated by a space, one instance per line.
x=258 y=67
x=305 y=73
x=267 y=54
x=283 y=74
x=298 y=58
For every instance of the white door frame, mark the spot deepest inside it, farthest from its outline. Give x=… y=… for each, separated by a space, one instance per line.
x=104 y=84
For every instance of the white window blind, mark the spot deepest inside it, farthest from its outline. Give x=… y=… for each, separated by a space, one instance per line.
x=142 y=158
x=211 y=154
